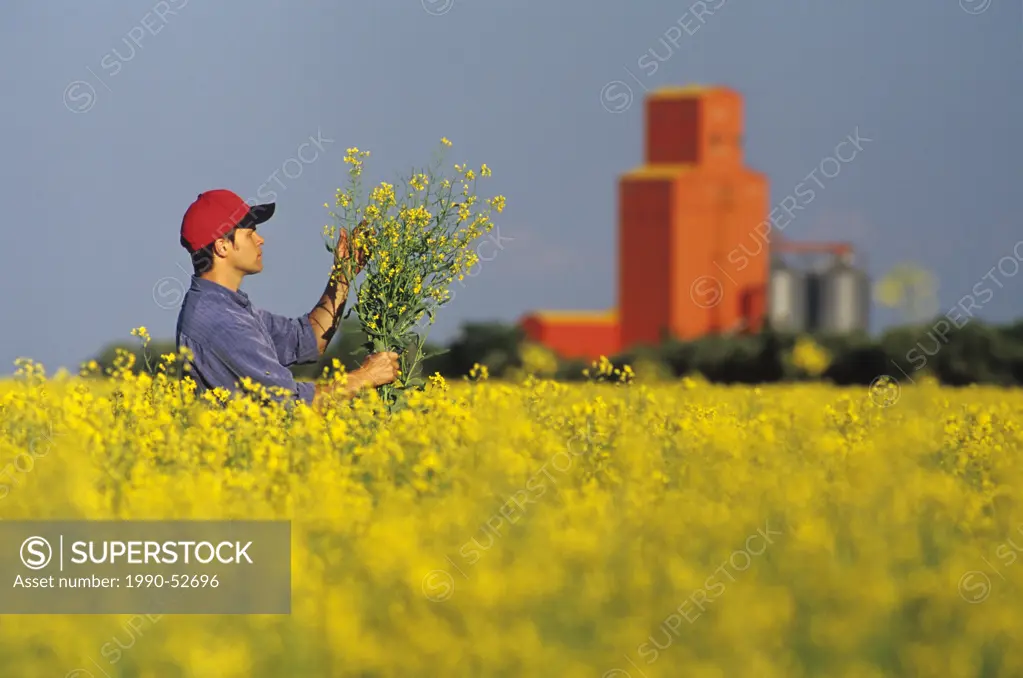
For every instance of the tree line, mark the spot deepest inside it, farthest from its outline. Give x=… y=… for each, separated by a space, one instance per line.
x=975 y=353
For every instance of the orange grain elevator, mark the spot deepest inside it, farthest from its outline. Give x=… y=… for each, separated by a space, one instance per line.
x=689 y=260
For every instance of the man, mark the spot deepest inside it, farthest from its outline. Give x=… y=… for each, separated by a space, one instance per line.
x=228 y=337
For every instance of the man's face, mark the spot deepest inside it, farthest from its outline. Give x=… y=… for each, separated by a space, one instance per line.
x=246 y=254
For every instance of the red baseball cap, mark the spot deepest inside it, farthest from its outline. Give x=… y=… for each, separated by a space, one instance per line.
x=215 y=213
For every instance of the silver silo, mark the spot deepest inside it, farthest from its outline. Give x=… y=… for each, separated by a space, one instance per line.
x=787 y=298
x=841 y=298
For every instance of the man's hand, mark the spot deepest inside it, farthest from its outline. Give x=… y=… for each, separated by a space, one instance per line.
x=327 y=313
x=343 y=251
x=379 y=369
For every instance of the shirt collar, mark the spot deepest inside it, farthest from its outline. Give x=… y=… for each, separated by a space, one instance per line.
x=204 y=286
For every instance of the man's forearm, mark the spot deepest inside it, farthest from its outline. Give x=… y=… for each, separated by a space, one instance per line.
x=327 y=313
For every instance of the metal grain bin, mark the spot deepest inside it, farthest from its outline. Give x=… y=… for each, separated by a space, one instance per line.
x=842 y=299
x=787 y=298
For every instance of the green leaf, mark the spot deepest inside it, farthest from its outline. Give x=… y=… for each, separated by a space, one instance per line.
x=415 y=382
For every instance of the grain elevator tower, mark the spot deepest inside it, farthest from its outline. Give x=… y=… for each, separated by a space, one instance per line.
x=693 y=256
x=690 y=263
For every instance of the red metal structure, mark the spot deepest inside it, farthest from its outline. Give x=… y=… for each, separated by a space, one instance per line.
x=689 y=220
x=837 y=249
x=574 y=334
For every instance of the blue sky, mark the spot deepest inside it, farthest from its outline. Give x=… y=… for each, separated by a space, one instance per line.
x=115 y=115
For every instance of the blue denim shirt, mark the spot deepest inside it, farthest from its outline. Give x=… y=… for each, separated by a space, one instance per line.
x=230 y=339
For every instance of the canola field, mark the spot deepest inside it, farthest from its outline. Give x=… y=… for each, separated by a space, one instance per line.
x=598 y=530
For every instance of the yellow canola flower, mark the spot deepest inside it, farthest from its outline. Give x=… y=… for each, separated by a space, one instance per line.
x=810 y=357
x=771 y=531
x=416 y=244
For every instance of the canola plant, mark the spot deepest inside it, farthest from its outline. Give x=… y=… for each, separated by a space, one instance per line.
x=614 y=528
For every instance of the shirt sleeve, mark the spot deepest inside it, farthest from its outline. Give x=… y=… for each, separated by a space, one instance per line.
x=293 y=338
x=247 y=356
